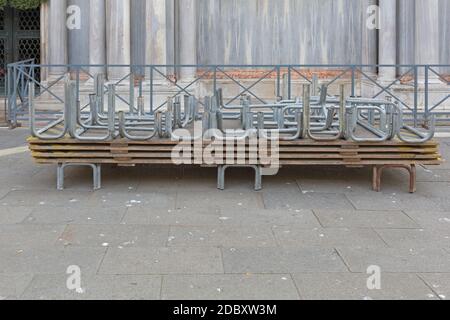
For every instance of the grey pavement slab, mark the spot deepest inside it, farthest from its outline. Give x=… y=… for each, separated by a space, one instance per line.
x=165 y=217
x=163 y=260
x=439 y=283
x=281 y=260
x=431 y=220
x=397 y=201
x=13 y=138
x=108 y=198
x=12 y=215
x=251 y=236
x=14 y=284
x=364 y=219
x=415 y=238
x=327 y=237
x=273 y=217
x=229 y=287
x=46 y=198
x=305 y=200
x=214 y=200
x=104 y=235
x=337 y=182
x=396 y=259
x=353 y=286
x=24 y=236
x=95 y=287
x=434 y=174
x=69 y=215
x=51 y=260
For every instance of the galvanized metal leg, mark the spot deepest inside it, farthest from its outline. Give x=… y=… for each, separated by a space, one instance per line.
x=96 y=174
x=221 y=175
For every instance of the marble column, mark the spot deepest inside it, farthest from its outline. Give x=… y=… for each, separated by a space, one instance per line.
x=44 y=20
x=78 y=32
x=187 y=37
x=57 y=36
x=156 y=37
x=387 y=43
x=406 y=27
x=138 y=35
x=427 y=32
x=97 y=35
x=118 y=37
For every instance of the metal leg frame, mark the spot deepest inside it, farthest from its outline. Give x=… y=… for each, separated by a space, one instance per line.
x=221 y=175
x=96 y=174
x=378 y=170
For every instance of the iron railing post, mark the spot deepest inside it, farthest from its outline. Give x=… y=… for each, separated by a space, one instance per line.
x=289 y=83
x=278 y=81
x=151 y=90
x=416 y=88
x=426 y=92
x=353 y=81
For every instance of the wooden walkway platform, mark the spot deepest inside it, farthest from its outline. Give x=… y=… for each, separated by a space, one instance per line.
x=304 y=152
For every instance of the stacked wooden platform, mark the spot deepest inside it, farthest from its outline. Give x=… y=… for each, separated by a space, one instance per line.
x=298 y=152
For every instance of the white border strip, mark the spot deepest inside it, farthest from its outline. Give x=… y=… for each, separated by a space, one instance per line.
x=11 y=151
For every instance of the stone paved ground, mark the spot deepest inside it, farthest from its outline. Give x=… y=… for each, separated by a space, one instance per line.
x=169 y=234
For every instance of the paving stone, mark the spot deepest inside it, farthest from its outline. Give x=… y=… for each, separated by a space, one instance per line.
x=396 y=259
x=396 y=201
x=51 y=260
x=299 y=200
x=12 y=215
x=356 y=180
x=103 y=235
x=433 y=189
x=105 y=199
x=154 y=216
x=281 y=260
x=415 y=238
x=431 y=220
x=13 y=285
x=439 y=283
x=353 y=286
x=46 y=198
x=270 y=217
x=69 y=215
x=364 y=219
x=329 y=237
x=149 y=260
x=213 y=200
x=434 y=174
x=229 y=287
x=259 y=236
x=95 y=287
x=4 y=192
x=23 y=236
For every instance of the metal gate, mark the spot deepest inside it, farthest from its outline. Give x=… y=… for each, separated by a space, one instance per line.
x=19 y=38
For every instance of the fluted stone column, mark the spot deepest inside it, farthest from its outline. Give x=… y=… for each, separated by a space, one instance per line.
x=427 y=32
x=57 y=36
x=187 y=40
x=44 y=20
x=387 y=46
x=138 y=35
x=118 y=37
x=97 y=35
x=406 y=27
x=78 y=34
x=427 y=36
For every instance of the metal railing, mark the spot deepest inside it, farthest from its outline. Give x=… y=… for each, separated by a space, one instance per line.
x=411 y=89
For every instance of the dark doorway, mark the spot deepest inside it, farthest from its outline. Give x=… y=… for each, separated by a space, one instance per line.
x=19 y=38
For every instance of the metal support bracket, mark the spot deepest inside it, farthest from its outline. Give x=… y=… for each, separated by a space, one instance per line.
x=378 y=170
x=221 y=175
x=96 y=174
